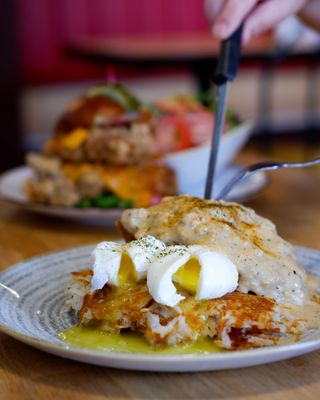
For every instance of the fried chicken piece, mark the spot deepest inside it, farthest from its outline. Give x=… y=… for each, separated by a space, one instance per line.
x=120 y=145
x=50 y=185
x=97 y=129
x=55 y=192
x=44 y=167
x=82 y=112
x=90 y=184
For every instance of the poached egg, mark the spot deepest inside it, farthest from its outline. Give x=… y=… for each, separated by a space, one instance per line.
x=118 y=264
x=204 y=273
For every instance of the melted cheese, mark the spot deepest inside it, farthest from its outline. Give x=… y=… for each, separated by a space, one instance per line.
x=127 y=182
x=74 y=139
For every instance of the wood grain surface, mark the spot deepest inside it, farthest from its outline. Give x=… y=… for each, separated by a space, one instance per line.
x=291 y=200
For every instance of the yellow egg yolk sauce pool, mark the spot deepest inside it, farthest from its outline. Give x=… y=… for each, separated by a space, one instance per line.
x=129 y=342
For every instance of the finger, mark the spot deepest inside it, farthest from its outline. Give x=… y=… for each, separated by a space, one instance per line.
x=310 y=14
x=268 y=14
x=213 y=8
x=231 y=16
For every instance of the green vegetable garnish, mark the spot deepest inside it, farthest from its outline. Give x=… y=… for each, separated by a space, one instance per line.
x=84 y=203
x=106 y=201
x=117 y=93
x=126 y=203
x=207 y=99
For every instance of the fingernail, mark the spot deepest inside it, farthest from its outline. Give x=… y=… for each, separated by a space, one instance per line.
x=220 y=29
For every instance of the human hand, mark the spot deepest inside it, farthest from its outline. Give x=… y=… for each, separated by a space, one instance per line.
x=259 y=16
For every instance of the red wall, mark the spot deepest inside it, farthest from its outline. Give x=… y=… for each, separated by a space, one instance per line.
x=45 y=26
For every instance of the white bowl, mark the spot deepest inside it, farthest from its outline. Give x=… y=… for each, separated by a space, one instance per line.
x=191 y=165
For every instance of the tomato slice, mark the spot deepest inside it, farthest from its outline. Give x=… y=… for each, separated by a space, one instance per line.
x=183 y=134
x=173 y=134
x=201 y=126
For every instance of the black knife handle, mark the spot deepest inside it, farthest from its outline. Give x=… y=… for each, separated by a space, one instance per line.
x=228 y=60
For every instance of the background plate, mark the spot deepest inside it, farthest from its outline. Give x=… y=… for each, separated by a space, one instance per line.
x=32 y=311
x=11 y=183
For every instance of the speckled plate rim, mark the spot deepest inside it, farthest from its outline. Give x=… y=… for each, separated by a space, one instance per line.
x=161 y=363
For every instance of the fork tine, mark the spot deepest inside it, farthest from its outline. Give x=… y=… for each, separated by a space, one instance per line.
x=262 y=166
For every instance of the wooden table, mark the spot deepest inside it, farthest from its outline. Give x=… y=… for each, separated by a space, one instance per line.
x=291 y=200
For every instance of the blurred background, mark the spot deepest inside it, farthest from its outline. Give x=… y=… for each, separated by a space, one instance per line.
x=52 y=50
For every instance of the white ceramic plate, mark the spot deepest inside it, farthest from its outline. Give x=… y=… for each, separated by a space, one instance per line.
x=191 y=165
x=32 y=311
x=11 y=183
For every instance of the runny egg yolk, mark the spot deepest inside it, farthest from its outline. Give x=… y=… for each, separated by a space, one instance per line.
x=127 y=273
x=188 y=275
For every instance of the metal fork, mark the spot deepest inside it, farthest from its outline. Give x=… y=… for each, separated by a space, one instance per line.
x=263 y=166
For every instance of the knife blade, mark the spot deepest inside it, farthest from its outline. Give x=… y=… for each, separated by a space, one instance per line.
x=227 y=67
